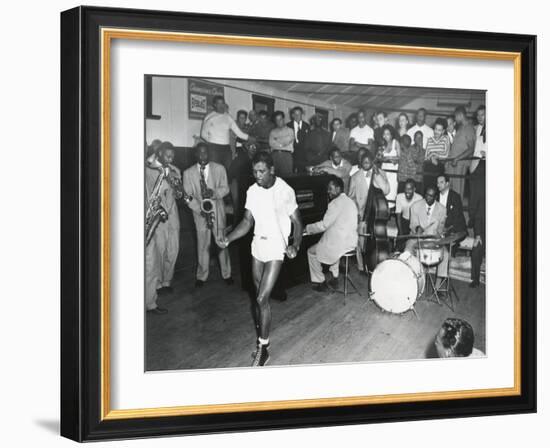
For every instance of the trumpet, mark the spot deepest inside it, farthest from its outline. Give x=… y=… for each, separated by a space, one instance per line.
x=177 y=185
x=156 y=213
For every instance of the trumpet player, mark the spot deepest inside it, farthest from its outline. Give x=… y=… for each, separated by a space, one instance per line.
x=206 y=183
x=162 y=249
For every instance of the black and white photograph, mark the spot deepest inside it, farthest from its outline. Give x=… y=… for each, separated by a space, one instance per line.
x=301 y=223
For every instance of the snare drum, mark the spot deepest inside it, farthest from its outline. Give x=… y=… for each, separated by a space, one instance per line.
x=397 y=283
x=429 y=252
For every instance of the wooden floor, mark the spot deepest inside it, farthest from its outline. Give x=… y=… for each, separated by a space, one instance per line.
x=212 y=327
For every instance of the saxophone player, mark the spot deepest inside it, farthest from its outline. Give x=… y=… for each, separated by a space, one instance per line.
x=206 y=183
x=162 y=249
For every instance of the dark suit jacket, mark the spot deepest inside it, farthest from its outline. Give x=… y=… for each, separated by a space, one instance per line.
x=299 y=143
x=455 y=212
x=317 y=146
x=341 y=139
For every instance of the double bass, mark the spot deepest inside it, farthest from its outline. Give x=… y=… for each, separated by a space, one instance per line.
x=377 y=214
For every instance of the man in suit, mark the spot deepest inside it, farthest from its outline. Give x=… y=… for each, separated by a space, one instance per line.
x=369 y=176
x=162 y=250
x=428 y=218
x=339 y=135
x=317 y=144
x=451 y=200
x=207 y=180
x=301 y=129
x=339 y=228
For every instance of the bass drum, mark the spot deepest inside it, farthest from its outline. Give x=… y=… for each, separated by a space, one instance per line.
x=397 y=283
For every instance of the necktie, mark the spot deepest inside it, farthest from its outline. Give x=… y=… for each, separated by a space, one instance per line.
x=203 y=177
x=429 y=210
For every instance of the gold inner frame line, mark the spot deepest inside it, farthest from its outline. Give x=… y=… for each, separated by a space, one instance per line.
x=107 y=35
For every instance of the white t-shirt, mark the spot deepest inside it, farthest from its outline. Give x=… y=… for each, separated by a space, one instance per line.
x=427 y=132
x=215 y=128
x=403 y=206
x=362 y=135
x=271 y=209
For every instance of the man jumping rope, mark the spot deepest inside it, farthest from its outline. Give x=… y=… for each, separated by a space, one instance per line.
x=270 y=208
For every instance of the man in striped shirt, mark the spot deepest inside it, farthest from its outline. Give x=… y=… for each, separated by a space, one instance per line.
x=437 y=150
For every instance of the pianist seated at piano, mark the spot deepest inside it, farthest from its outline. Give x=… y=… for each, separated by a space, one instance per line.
x=336 y=165
x=428 y=218
x=339 y=228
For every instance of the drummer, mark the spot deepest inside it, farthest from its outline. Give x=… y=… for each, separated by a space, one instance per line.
x=428 y=218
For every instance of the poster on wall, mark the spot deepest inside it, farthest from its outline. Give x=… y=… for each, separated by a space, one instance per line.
x=200 y=98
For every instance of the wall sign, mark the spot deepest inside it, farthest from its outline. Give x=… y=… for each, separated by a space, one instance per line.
x=200 y=98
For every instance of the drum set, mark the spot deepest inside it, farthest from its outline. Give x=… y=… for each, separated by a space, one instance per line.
x=398 y=282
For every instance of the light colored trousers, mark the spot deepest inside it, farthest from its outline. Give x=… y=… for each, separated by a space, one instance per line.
x=204 y=239
x=152 y=275
x=315 y=267
x=167 y=242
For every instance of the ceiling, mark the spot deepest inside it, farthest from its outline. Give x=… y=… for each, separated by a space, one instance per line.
x=389 y=98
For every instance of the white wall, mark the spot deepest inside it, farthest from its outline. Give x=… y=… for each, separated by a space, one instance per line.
x=430 y=104
x=169 y=100
x=29 y=322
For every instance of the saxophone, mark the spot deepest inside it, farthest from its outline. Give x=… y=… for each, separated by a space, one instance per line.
x=207 y=204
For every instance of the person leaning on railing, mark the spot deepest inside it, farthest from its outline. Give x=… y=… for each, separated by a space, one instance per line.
x=437 y=150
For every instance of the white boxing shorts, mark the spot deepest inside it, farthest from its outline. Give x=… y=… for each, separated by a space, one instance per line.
x=266 y=249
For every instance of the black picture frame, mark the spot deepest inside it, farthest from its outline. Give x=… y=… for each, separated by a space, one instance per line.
x=81 y=224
